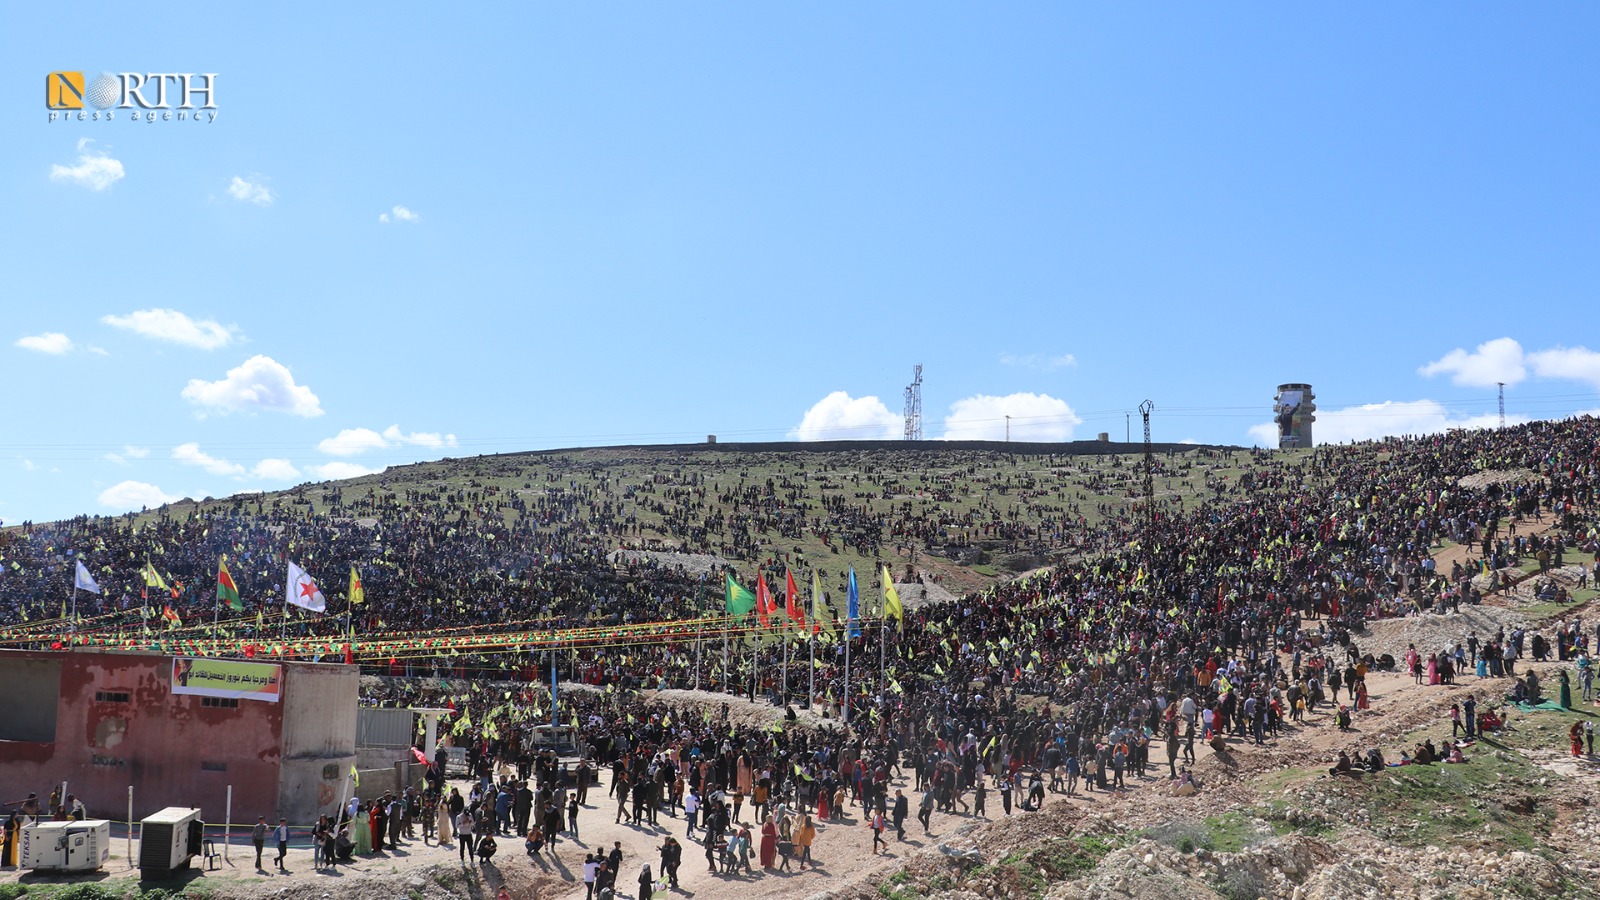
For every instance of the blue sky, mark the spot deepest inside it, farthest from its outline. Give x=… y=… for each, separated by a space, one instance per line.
x=415 y=232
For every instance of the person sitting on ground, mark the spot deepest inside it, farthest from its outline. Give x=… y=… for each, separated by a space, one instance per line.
x=535 y=841
x=1343 y=766
x=1423 y=755
x=1375 y=761
x=486 y=848
x=1455 y=755
x=1184 y=785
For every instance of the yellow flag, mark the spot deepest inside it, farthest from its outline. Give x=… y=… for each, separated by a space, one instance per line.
x=357 y=594
x=891 y=601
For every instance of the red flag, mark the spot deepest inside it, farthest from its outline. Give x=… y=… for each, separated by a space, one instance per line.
x=349 y=655
x=797 y=613
x=765 y=605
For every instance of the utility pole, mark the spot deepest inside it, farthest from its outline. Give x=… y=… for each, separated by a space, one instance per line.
x=1008 y=428
x=1145 y=409
x=1502 y=386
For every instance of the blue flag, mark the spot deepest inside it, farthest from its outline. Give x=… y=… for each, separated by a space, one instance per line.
x=853 y=611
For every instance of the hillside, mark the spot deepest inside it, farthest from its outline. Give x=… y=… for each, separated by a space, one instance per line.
x=1259 y=573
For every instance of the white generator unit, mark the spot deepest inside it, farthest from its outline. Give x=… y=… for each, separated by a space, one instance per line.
x=168 y=840
x=66 y=846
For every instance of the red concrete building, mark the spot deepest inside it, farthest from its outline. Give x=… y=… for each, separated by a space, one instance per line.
x=179 y=731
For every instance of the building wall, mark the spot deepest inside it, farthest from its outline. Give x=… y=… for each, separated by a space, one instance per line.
x=31 y=686
x=173 y=750
x=319 y=739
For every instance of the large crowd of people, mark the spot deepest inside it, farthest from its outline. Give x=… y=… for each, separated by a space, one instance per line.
x=1231 y=617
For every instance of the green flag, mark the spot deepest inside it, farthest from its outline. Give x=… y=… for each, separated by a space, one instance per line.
x=738 y=600
x=227 y=591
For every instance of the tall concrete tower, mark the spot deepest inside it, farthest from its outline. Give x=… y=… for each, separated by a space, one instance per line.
x=1292 y=410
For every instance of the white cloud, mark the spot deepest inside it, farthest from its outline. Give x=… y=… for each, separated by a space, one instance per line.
x=52 y=342
x=190 y=454
x=1390 y=418
x=352 y=442
x=431 y=439
x=356 y=441
x=1575 y=363
x=174 y=327
x=96 y=170
x=334 y=471
x=1499 y=360
x=259 y=383
x=250 y=190
x=1039 y=361
x=399 y=214
x=839 y=417
x=98 y=351
x=132 y=495
x=275 y=470
x=129 y=451
x=1034 y=417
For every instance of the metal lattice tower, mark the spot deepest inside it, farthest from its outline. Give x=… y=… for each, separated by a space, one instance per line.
x=914 y=405
x=1145 y=409
x=1502 y=385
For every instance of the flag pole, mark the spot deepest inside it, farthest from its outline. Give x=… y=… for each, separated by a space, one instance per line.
x=72 y=626
x=216 y=609
x=848 y=622
x=811 y=689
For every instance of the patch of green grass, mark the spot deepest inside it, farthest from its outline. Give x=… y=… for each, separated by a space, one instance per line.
x=1275 y=781
x=1030 y=873
x=1494 y=801
x=1232 y=831
x=987 y=571
x=12 y=891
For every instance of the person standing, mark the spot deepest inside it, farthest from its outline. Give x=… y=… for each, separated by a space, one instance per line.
x=902 y=808
x=281 y=835
x=258 y=837
x=522 y=806
x=397 y=817
x=464 y=832
x=808 y=833
x=671 y=859
x=691 y=810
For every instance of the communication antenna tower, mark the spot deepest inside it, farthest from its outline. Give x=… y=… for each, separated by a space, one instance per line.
x=914 y=405
x=1502 y=385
